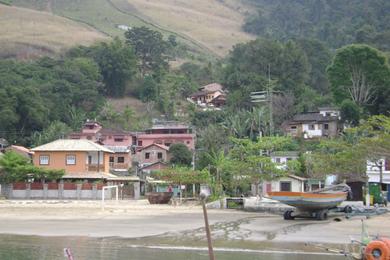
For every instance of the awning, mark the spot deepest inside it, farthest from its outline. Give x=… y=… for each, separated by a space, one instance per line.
x=88 y=175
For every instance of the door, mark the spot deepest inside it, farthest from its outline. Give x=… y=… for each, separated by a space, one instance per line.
x=268 y=187
x=128 y=190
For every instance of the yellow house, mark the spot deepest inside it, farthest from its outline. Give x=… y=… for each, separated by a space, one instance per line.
x=81 y=159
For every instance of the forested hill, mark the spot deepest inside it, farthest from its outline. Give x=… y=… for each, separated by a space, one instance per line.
x=334 y=22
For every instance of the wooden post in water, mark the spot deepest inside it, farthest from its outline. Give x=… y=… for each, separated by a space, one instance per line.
x=203 y=197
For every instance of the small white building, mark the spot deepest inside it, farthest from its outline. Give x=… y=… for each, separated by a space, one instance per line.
x=287 y=183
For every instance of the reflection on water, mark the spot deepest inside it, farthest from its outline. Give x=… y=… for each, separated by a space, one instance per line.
x=15 y=247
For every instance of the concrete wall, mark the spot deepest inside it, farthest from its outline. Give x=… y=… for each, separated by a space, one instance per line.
x=60 y=193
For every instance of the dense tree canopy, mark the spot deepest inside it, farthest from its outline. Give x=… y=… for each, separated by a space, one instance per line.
x=336 y=23
x=360 y=73
x=117 y=64
x=150 y=48
x=32 y=94
x=180 y=154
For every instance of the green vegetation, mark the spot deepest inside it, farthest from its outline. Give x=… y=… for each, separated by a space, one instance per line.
x=181 y=155
x=335 y=23
x=361 y=73
x=182 y=175
x=37 y=93
x=6 y=2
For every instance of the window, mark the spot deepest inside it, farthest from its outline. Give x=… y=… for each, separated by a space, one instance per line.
x=159 y=155
x=147 y=155
x=277 y=160
x=288 y=159
x=121 y=159
x=328 y=114
x=312 y=127
x=44 y=159
x=118 y=139
x=70 y=159
x=111 y=159
x=294 y=127
x=139 y=143
x=285 y=186
x=188 y=142
x=167 y=144
x=326 y=126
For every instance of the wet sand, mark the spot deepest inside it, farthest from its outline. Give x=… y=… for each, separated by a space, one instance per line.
x=138 y=219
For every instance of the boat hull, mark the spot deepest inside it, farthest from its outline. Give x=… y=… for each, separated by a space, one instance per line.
x=306 y=201
x=159 y=197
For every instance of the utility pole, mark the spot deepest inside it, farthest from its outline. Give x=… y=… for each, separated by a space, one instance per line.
x=270 y=96
x=266 y=96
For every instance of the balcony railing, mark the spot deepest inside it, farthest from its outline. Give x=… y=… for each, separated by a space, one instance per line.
x=119 y=165
x=94 y=168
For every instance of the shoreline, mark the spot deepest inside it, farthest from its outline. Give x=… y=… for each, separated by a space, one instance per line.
x=184 y=224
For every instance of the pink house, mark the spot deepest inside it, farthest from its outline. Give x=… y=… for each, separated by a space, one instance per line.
x=118 y=141
x=94 y=131
x=167 y=133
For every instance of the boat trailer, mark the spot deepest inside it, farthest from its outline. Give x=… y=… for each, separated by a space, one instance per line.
x=349 y=212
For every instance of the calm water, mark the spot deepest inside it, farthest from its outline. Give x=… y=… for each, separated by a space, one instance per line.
x=32 y=247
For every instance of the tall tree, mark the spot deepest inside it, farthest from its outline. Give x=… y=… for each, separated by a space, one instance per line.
x=359 y=72
x=117 y=64
x=150 y=48
x=181 y=155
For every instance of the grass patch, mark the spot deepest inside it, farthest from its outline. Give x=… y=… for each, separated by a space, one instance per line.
x=215 y=24
x=27 y=33
x=6 y=2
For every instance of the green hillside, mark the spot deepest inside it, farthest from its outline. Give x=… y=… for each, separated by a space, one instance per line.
x=335 y=23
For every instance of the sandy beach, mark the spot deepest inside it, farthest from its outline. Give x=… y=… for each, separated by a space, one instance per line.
x=138 y=219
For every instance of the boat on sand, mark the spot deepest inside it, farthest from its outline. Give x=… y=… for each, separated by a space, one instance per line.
x=312 y=204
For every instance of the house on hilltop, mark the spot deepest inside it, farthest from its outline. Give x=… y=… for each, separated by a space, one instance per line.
x=323 y=123
x=212 y=95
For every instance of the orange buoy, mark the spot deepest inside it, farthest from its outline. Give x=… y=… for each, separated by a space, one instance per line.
x=386 y=241
x=378 y=250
